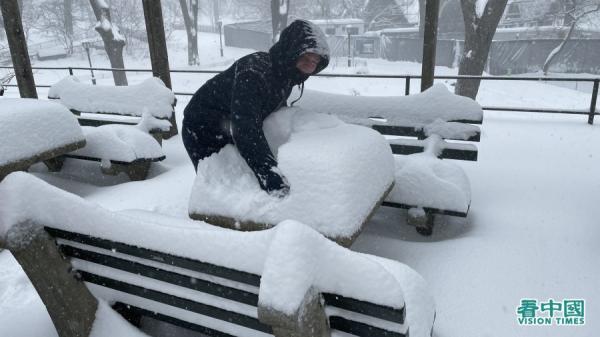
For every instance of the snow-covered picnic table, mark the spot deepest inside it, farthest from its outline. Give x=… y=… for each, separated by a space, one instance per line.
x=118 y=142
x=444 y=125
x=339 y=174
x=99 y=105
x=34 y=131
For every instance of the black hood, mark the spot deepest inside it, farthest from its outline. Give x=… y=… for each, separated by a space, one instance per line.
x=296 y=39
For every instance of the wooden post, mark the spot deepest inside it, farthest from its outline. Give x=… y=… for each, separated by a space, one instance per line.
x=429 y=43
x=156 y=41
x=69 y=303
x=158 y=48
x=18 y=48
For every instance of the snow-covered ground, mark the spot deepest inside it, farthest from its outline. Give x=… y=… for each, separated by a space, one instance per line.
x=531 y=231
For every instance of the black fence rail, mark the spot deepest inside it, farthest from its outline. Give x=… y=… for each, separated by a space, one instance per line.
x=591 y=112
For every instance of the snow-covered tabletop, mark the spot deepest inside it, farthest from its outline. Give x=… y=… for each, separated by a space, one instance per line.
x=290 y=257
x=33 y=130
x=430 y=111
x=338 y=175
x=150 y=95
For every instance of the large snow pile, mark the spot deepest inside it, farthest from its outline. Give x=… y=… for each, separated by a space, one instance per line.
x=428 y=110
x=424 y=180
x=30 y=127
x=151 y=95
x=290 y=257
x=337 y=173
x=119 y=143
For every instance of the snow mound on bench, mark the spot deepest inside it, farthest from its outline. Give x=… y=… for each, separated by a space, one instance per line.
x=433 y=105
x=115 y=142
x=337 y=173
x=30 y=127
x=423 y=180
x=132 y=100
x=272 y=253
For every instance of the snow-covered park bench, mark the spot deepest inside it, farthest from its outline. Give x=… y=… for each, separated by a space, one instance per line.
x=35 y=131
x=285 y=281
x=118 y=122
x=426 y=127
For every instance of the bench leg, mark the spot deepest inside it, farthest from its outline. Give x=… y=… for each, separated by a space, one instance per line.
x=111 y=170
x=69 y=303
x=138 y=171
x=55 y=164
x=309 y=321
x=422 y=220
x=135 y=171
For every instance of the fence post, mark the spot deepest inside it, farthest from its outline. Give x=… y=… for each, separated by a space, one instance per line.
x=593 y=103
x=70 y=71
x=407 y=86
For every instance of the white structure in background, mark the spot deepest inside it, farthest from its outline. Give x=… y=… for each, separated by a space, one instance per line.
x=339 y=26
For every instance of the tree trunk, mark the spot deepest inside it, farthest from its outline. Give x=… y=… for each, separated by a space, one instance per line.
x=68 y=14
x=422 y=17
x=215 y=14
x=479 y=32
x=191 y=31
x=279 y=16
x=429 y=43
x=112 y=44
x=18 y=48
x=194 y=9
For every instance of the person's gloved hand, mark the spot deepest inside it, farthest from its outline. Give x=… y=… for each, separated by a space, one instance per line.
x=275 y=184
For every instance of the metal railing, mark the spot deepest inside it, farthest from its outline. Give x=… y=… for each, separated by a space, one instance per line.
x=591 y=112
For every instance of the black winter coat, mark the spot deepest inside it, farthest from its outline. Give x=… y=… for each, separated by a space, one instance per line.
x=231 y=107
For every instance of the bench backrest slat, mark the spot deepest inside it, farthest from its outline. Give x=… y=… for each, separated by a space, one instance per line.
x=179 y=302
x=163 y=275
x=361 y=329
x=365 y=308
x=409 y=131
x=173 y=260
x=171 y=320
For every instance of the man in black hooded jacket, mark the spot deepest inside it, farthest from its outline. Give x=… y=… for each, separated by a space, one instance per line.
x=230 y=108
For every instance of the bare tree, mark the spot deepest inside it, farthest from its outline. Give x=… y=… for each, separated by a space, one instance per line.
x=114 y=42
x=129 y=17
x=68 y=19
x=190 y=19
x=279 y=16
x=575 y=13
x=55 y=18
x=480 y=27
x=381 y=14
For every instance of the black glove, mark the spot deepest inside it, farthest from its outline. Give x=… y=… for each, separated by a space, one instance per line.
x=275 y=184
